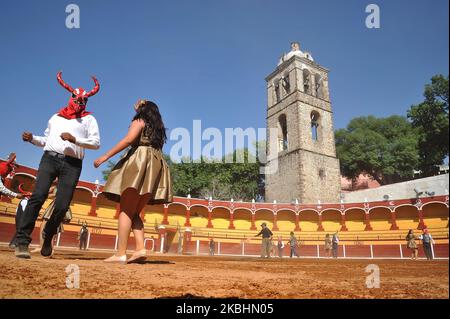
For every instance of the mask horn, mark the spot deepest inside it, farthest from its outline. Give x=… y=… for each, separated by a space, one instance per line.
x=95 y=89
x=22 y=191
x=11 y=158
x=63 y=84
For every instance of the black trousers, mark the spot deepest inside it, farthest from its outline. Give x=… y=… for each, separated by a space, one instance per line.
x=293 y=251
x=67 y=170
x=83 y=242
x=19 y=215
x=427 y=250
x=335 y=250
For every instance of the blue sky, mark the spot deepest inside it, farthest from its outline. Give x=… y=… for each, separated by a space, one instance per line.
x=207 y=60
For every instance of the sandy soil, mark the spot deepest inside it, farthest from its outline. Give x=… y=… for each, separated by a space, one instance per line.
x=221 y=277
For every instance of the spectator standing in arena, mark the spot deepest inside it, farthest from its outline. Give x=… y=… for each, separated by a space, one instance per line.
x=293 y=244
x=280 y=247
x=212 y=247
x=83 y=236
x=273 y=248
x=427 y=241
x=335 y=245
x=180 y=244
x=411 y=244
x=328 y=245
x=266 y=240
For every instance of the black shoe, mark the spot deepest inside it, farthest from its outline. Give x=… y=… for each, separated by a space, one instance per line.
x=22 y=252
x=47 y=246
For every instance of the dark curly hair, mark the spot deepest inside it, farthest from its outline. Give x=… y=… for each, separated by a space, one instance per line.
x=154 y=127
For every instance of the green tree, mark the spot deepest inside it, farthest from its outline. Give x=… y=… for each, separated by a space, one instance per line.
x=431 y=120
x=384 y=148
x=219 y=179
x=189 y=177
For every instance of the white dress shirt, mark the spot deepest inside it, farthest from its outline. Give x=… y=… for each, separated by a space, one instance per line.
x=23 y=203
x=84 y=129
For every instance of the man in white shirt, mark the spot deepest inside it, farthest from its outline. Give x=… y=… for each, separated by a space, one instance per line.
x=68 y=133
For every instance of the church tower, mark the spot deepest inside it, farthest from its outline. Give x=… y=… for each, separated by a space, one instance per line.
x=299 y=110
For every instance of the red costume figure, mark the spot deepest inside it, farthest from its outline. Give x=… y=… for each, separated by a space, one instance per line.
x=69 y=132
x=7 y=168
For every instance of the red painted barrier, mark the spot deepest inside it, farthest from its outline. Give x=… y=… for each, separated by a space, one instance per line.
x=100 y=241
x=253 y=249
x=357 y=251
x=7 y=231
x=230 y=249
x=307 y=251
x=386 y=251
x=441 y=251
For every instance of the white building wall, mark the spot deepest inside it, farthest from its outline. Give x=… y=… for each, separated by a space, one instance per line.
x=437 y=184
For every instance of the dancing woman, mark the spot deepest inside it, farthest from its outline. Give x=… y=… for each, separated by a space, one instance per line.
x=141 y=177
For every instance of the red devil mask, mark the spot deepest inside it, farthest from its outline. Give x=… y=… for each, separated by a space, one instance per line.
x=77 y=102
x=8 y=166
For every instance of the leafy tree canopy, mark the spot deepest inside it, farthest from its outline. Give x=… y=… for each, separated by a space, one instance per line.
x=430 y=118
x=384 y=148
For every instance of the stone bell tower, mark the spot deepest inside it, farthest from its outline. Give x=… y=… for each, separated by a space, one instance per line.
x=299 y=110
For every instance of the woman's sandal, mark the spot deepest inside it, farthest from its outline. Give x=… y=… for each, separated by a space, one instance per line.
x=138 y=257
x=116 y=260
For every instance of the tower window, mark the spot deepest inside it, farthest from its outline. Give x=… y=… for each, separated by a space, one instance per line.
x=306 y=81
x=315 y=125
x=286 y=83
x=282 y=133
x=319 y=86
x=277 y=91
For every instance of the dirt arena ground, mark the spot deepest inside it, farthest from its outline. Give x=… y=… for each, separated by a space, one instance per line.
x=220 y=277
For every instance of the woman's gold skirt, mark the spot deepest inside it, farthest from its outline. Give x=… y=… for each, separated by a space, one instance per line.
x=144 y=169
